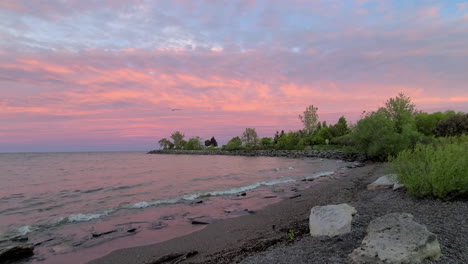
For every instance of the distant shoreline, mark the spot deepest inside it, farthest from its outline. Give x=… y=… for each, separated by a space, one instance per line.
x=326 y=154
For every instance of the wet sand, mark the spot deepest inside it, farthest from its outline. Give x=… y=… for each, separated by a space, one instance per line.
x=262 y=237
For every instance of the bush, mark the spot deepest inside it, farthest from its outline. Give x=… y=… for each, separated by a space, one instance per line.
x=436 y=170
x=453 y=126
x=234 y=144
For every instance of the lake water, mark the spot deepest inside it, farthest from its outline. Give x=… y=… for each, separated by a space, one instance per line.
x=79 y=206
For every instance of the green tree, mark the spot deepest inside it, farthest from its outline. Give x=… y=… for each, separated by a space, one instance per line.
x=289 y=140
x=340 y=129
x=234 y=144
x=165 y=143
x=207 y=143
x=309 y=119
x=452 y=126
x=266 y=143
x=194 y=143
x=250 y=138
x=401 y=110
x=177 y=139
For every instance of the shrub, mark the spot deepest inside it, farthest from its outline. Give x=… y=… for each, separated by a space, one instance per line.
x=234 y=144
x=437 y=170
x=452 y=126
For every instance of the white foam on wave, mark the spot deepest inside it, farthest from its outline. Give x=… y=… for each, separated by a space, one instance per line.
x=86 y=217
x=145 y=204
x=24 y=230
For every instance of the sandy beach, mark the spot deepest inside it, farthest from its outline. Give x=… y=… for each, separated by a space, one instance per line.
x=262 y=237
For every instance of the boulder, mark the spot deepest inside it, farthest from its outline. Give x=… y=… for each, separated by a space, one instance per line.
x=331 y=220
x=396 y=238
x=15 y=252
x=385 y=182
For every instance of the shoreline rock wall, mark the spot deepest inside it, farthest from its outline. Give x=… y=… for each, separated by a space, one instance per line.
x=326 y=154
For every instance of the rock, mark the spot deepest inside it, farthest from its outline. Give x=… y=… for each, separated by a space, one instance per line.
x=243 y=194
x=15 y=252
x=204 y=220
x=277 y=189
x=396 y=238
x=94 y=234
x=295 y=196
x=359 y=164
x=385 y=182
x=331 y=220
x=270 y=196
x=131 y=230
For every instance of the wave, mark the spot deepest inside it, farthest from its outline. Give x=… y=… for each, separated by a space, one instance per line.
x=191 y=197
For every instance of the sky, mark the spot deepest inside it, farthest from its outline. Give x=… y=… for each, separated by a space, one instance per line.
x=103 y=75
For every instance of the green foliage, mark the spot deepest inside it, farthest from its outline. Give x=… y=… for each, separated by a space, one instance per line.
x=207 y=143
x=165 y=143
x=437 y=170
x=454 y=125
x=401 y=111
x=289 y=140
x=266 y=143
x=339 y=129
x=234 y=144
x=214 y=142
x=194 y=143
x=309 y=119
x=377 y=135
x=426 y=123
x=291 y=235
x=178 y=139
x=250 y=138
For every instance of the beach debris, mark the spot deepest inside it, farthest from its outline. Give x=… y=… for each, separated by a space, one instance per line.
x=385 y=182
x=131 y=230
x=204 y=220
x=295 y=196
x=331 y=220
x=15 y=252
x=396 y=238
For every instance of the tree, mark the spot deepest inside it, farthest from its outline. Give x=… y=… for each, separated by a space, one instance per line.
x=207 y=143
x=194 y=143
x=177 y=139
x=250 y=138
x=426 y=123
x=165 y=143
x=340 y=129
x=309 y=119
x=213 y=141
x=401 y=110
x=266 y=143
x=234 y=144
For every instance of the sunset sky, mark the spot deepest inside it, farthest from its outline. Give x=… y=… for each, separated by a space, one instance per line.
x=88 y=75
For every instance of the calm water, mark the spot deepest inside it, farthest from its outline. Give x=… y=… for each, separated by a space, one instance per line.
x=59 y=200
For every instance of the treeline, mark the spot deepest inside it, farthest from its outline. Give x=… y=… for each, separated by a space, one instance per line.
x=396 y=126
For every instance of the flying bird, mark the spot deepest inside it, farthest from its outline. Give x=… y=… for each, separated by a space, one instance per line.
x=175 y=109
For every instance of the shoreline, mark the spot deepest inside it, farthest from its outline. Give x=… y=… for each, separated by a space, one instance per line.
x=295 y=154
x=262 y=237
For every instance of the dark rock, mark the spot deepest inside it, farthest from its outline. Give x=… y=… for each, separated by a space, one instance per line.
x=15 y=252
x=20 y=239
x=131 y=230
x=295 y=196
x=204 y=220
x=103 y=233
x=270 y=196
x=198 y=202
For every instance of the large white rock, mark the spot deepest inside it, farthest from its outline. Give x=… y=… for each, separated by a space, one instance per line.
x=331 y=220
x=385 y=182
x=396 y=238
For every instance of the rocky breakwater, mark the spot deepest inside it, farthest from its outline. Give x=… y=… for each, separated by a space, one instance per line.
x=326 y=154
